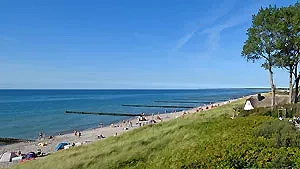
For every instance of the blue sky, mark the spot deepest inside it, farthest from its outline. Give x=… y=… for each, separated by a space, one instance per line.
x=129 y=44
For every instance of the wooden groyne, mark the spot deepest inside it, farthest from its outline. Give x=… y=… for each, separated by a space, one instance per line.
x=171 y=101
x=13 y=140
x=191 y=99
x=203 y=98
x=163 y=106
x=200 y=100
x=107 y=114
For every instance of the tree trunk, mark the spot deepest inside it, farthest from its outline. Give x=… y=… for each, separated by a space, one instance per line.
x=291 y=86
x=272 y=87
x=296 y=91
x=296 y=76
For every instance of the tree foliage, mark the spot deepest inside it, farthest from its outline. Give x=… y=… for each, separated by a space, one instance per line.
x=261 y=41
x=287 y=44
x=274 y=37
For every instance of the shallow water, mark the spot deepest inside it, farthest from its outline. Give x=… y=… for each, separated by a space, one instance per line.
x=24 y=113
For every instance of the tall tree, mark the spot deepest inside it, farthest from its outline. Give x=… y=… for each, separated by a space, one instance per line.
x=260 y=44
x=296 y=43
x=287 y=46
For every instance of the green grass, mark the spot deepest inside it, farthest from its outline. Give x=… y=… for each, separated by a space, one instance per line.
x=210 y=140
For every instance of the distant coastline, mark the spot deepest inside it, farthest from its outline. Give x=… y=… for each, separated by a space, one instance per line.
x=222 y=88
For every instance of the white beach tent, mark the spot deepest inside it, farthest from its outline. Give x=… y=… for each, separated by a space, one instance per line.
x=6 y=157
x=248 y=105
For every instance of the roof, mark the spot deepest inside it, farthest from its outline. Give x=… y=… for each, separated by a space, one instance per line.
x=254 y=102
x=267 y=100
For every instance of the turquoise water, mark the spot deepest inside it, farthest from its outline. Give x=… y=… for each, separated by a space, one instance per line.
x=24 y=113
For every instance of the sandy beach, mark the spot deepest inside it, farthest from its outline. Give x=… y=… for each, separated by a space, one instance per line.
x=91 y=135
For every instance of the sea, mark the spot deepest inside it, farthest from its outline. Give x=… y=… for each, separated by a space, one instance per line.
x=24 y=113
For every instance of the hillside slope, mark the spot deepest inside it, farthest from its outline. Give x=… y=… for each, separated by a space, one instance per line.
x=207 y=140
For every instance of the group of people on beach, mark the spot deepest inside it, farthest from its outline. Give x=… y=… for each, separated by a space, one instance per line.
x=42 y=136
x=77 y=133
x=141 y=119
x=21 y=157
x=199 y=109
x=125 y=123
x=207 y=107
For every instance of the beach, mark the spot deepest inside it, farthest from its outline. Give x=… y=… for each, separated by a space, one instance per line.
x=24 y=113
x=91 y=135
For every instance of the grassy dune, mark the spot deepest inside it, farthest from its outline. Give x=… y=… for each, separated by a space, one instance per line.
x=207 y=140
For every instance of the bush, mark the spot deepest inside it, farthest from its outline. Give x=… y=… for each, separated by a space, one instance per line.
x=291 y=110
x=283 y=133
x=260 y=111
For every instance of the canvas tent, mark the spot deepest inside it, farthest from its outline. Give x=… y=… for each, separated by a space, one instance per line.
x=6 y=157
x=61 y=146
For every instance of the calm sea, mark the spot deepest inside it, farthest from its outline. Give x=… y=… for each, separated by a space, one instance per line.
x=24 y=113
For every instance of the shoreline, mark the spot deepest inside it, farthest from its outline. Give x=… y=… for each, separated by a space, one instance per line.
x=91 y=135
x=70 y=131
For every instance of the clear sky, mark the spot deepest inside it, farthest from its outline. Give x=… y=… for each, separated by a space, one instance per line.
x=129 y=44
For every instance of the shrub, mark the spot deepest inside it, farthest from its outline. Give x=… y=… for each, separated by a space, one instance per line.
x=260 y=111
x=291 y=110
x=283 y=133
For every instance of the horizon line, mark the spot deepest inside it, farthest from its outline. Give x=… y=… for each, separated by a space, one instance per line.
x=138 y=88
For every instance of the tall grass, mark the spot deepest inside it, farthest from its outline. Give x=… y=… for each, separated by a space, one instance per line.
x=209 y=139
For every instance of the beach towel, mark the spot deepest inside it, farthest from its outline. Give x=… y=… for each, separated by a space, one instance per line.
x=7 y=156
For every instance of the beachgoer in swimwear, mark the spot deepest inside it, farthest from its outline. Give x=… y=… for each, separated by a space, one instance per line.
x=41 y=135
x=100 y=136
x=158 y=117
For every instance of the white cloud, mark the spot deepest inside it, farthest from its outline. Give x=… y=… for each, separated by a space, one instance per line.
x=214 y=15
x=185 y=39
x=214 y=33
x=214 y=30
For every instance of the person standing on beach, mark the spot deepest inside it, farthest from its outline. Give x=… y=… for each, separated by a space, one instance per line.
x=158 y=117
x=75 y=133
x=41 y=135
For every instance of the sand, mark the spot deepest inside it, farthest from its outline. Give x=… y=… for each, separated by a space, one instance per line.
x=90 y=135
